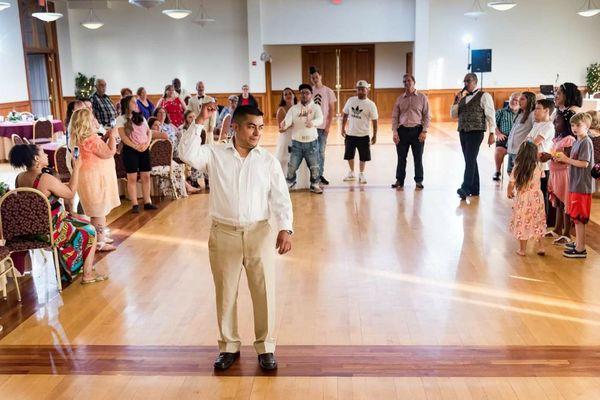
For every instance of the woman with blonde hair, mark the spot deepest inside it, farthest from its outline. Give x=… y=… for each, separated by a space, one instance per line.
x=98 y=190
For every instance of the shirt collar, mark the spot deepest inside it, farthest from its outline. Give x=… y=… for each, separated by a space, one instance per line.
x=406 y=94
x=229 y=145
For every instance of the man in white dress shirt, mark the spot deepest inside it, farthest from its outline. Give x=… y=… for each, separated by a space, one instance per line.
x=196 y=102
x=304 y=118
x=247 y=190
x=474 y=109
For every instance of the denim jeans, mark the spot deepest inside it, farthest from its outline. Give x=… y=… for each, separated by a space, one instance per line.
x=470 y=143
x=304 y=151
x=322 y=144
x=511 y=163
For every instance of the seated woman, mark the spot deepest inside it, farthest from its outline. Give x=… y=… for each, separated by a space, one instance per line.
x=98 y=187
x=75 y=238
x=182 y=187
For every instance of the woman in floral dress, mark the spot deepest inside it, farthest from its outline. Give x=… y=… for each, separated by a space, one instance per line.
x=74 y=237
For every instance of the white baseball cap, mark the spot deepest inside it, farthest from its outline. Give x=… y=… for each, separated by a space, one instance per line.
x=363 y=84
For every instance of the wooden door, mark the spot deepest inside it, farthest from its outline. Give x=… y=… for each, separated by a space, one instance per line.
x=356 y=62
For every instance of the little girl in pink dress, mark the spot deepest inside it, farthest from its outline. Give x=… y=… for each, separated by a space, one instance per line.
x=528 y=219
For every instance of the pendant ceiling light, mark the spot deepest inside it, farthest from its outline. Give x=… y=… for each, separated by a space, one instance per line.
x=476 y=10
x=589 y=9
x=4 y=5
x=147 y=4
x=203 y=18
x=92 y=22
x=47 y=16
x=177 y=12
x=502 y=5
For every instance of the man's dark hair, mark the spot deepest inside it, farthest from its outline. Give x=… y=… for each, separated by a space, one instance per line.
x=546 y=104
x=410 y=76
x=313 y=69
x=305 y=86
x=240 y=113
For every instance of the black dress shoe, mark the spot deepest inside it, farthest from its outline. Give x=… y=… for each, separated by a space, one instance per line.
x=150 y=206
x=420 y=186
x=397 y=185
x=225 y=360
x=135 y=209
x=324 y=181
x=267 y=361
x=462 y=193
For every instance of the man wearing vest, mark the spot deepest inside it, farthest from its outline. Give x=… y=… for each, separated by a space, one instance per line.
x=474 y=109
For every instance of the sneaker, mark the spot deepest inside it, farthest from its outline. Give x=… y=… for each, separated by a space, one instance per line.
x=496 y=177
x=362 y=179
x=419 y=186
x=570 y=245
x=350 y=177
x=324 y=181
x=573 y=253
x=315 y=188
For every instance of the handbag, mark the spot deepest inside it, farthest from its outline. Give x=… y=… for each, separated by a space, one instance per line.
x=189 y=147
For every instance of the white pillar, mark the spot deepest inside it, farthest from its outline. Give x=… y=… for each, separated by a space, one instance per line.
x=256 y=73
x=421 y=45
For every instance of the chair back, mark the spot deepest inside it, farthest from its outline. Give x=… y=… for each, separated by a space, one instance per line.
x=161 y=153
x=42 y=129
x=25 y=211
x=225 y=125
x=120 y=167
x=16 y=139
x=596 y=144
x=60 y=164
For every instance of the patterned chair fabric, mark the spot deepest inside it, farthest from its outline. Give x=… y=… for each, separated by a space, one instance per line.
x=596 y=143
x=24 y=213
x=43 y=130
x=60 y=164
x=16 y=139
x=161 y=153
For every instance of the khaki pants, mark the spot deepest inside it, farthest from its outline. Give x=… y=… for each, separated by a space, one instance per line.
x=253 y=248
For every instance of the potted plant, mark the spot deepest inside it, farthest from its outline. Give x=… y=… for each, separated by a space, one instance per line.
x=593 y=79
x=84 y=86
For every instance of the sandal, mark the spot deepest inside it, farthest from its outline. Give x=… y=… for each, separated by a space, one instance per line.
x=551 y=234
x=561 y=241
x=96 y=278
x=105 y=247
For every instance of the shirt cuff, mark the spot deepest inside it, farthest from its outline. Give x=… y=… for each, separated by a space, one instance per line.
x=284 y=225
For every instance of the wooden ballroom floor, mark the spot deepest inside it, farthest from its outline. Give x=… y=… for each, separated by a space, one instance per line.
x=386 y=295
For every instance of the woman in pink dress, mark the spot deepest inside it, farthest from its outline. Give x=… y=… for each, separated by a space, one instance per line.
x=98 y=190
x=173 y=104
x=528 y=219
x=568 y=100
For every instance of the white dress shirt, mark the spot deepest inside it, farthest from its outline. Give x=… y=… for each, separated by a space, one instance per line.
x=487 y=103
x=297 y=116
x=195 y=104
x=245 y=191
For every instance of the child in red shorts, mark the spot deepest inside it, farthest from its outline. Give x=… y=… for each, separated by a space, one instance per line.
x=581 y=183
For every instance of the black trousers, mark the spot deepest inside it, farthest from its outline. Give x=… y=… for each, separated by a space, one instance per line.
x=550 y=211
x=409 y=139
x=470 y=143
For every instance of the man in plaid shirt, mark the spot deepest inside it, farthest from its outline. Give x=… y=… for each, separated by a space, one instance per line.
x=104 y=109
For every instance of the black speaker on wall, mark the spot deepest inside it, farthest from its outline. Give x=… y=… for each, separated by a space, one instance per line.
x=481 y=60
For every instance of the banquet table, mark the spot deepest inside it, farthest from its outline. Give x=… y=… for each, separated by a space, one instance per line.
x=24 y=130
